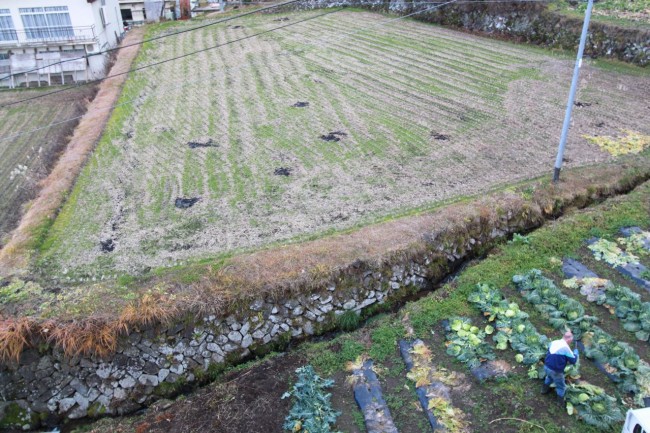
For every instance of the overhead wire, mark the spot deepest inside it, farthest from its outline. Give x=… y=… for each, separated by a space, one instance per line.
x=149 y=65
x=436 y=5
x=155 y=38
x=326 y=41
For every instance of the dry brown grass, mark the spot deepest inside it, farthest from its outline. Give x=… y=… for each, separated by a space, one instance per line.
x=150 y=309
x=14 y=255
x=86 y=337
x=15 y=336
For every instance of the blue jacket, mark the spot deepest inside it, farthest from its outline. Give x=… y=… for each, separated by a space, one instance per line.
x=559 y=353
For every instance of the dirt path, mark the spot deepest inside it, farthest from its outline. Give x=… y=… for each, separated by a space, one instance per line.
x=62 y=177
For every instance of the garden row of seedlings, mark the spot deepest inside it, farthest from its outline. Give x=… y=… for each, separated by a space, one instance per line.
x=511 y=326
x=636 y=244
x=312 y=410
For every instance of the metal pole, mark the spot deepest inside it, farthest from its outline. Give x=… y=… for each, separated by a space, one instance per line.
x=572 y=94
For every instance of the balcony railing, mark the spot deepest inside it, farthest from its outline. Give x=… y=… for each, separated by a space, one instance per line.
x=47 y=35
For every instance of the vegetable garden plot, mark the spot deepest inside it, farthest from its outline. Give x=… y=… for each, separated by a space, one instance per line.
x=589 y=402
x=626 y=262
x=387 y=88
x=628 y=307
x=617 y=359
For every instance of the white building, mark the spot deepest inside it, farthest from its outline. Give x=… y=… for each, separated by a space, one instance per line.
x=46 y=42
x=136 y=12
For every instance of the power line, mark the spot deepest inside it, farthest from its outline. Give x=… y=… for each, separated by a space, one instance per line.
x=436 y=5
x=167 y=60
x=110 y=50
x=6 y=77
x=313 y=43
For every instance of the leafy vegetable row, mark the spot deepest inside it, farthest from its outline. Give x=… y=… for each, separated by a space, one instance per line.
x=466 y=342
x=312 y=410
x=619 y=300
x=512 y=324
x=425 y=375
x=612 y=254
x=589 y=402
x=618 y=358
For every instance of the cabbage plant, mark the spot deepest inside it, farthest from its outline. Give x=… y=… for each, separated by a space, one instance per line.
x=466 y=342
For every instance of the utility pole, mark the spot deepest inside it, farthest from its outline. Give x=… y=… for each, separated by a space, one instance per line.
x=572 y=94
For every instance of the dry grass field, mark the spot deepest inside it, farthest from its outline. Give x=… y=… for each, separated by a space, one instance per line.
x=26 y=159
x=331 y=123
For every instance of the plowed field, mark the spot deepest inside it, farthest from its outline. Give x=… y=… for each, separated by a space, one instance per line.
x=398 y=116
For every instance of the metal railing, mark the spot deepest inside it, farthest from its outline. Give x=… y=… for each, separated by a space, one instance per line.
x=47 y=35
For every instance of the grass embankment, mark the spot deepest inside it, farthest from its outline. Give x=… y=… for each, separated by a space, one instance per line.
x=509 y=404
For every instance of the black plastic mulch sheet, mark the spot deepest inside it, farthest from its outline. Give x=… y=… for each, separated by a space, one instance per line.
x=367 y=394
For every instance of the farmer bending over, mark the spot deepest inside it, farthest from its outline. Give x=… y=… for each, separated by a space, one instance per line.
x=559 y=353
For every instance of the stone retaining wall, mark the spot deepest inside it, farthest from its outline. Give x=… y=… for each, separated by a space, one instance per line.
x=46 y=386
x=526 y=22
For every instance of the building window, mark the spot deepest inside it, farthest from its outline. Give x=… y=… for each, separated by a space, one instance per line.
x=51 y=22
x=7 y=29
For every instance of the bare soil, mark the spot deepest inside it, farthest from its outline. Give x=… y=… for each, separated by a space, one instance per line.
x=247 y=400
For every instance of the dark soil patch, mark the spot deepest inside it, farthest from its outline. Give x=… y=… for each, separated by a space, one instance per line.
x=281 y=19
x=236 y=27
x=282 y=171
x=333 y=136
x=107 y=245
x=242 y=402
x=195 y=144
x=437 y=136
x=343 y=402
x=600 y=125
x=184 y=203
x=301 y=104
